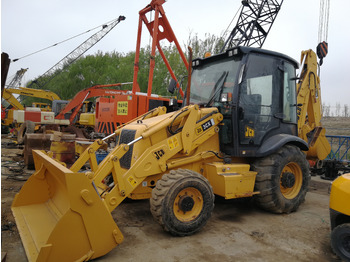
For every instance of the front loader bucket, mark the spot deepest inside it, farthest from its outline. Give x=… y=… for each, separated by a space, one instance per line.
x=61 y=217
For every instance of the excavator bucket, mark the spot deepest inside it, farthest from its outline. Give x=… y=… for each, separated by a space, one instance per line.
x=61 y=217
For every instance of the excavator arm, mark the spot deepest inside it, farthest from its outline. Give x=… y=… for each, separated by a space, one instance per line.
x=309 y=108
x=24 y=91
x=96 y=91
x=9 y=97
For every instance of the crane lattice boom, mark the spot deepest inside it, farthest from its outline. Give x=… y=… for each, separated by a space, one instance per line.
x=76 y=53
x=254 y=23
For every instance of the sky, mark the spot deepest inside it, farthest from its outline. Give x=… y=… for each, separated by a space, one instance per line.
x=28 y=26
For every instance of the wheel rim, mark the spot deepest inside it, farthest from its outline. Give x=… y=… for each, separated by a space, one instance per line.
x=188 y=204
x=291 y=180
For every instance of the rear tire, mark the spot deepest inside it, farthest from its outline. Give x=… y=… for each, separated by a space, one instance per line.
x=340 y=240
x=282 y=180
x=182 y=202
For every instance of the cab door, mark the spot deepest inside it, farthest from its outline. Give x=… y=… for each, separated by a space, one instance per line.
x=259 y=101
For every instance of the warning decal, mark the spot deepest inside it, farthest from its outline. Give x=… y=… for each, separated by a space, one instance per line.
x=132 y=181
x=122 y=108
x=173 y=143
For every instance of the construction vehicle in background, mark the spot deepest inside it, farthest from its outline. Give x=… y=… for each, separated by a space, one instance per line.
x=254 y=23
x=340 y=216
x=42 y=80
x=9 y=96
x=17 y=79
x=35 y=88
x=113 y=112
x=242 y=133
x=122 y=106
x=9 y=93
x=113 y=107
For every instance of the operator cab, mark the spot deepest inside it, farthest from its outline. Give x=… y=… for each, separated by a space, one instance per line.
x=255 y=90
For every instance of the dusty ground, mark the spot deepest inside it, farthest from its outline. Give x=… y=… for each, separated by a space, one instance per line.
x=237 y=231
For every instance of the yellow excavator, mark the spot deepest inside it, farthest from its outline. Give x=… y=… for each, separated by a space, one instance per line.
x=247 y=129
x=8 y=95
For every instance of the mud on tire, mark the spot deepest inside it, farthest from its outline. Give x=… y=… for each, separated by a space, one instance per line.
x=182 y=202
x=282 y=180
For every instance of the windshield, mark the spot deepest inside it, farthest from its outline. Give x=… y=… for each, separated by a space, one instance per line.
x=211 y=80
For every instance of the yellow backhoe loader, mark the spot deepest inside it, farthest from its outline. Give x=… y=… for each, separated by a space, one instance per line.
x=246 y=130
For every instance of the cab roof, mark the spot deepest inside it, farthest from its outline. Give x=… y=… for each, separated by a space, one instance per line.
x=248 y=50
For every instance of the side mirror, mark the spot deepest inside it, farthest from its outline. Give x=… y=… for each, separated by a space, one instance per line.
x=172 y=86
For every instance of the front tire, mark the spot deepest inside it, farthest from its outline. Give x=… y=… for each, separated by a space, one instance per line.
x=340 y=240
x=182 y=202
x=282 y=180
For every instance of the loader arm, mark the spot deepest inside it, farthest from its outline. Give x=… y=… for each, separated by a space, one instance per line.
x=309 y=108
x=154 y=159
x=89 y=153
x=57 y=203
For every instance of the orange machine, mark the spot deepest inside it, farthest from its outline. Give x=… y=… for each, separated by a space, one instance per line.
x=73 y=107
x=112 y=112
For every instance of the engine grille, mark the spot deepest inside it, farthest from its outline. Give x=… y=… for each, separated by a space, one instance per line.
x=126 y=137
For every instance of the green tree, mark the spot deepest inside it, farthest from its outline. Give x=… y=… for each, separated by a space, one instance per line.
x=115 y=67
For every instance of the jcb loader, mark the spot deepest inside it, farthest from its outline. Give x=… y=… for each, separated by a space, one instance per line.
x=246 y=130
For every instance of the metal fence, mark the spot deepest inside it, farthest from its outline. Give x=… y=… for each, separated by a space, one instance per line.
x=340 y=146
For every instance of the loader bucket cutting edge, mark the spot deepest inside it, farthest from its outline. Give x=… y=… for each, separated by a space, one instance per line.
x=60 y=216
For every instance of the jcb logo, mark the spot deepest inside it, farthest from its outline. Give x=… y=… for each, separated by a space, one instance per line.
x=249 y=132
x=158 y=154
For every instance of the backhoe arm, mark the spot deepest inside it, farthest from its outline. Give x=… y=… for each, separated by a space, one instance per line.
x=309 y=112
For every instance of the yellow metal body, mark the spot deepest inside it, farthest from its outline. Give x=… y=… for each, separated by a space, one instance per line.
x=56 y=215
x=87 y=119
x=340 y=195
x=231 y=180
x=310 y=114
x=43 y=106
x=24 y=91
x=9 y=117
x=57 y=203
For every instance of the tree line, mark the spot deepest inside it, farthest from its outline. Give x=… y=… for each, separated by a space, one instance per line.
x=337 y=110
x=116 y=67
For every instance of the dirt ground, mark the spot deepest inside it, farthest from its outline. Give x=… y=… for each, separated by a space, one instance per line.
x=237 y=230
